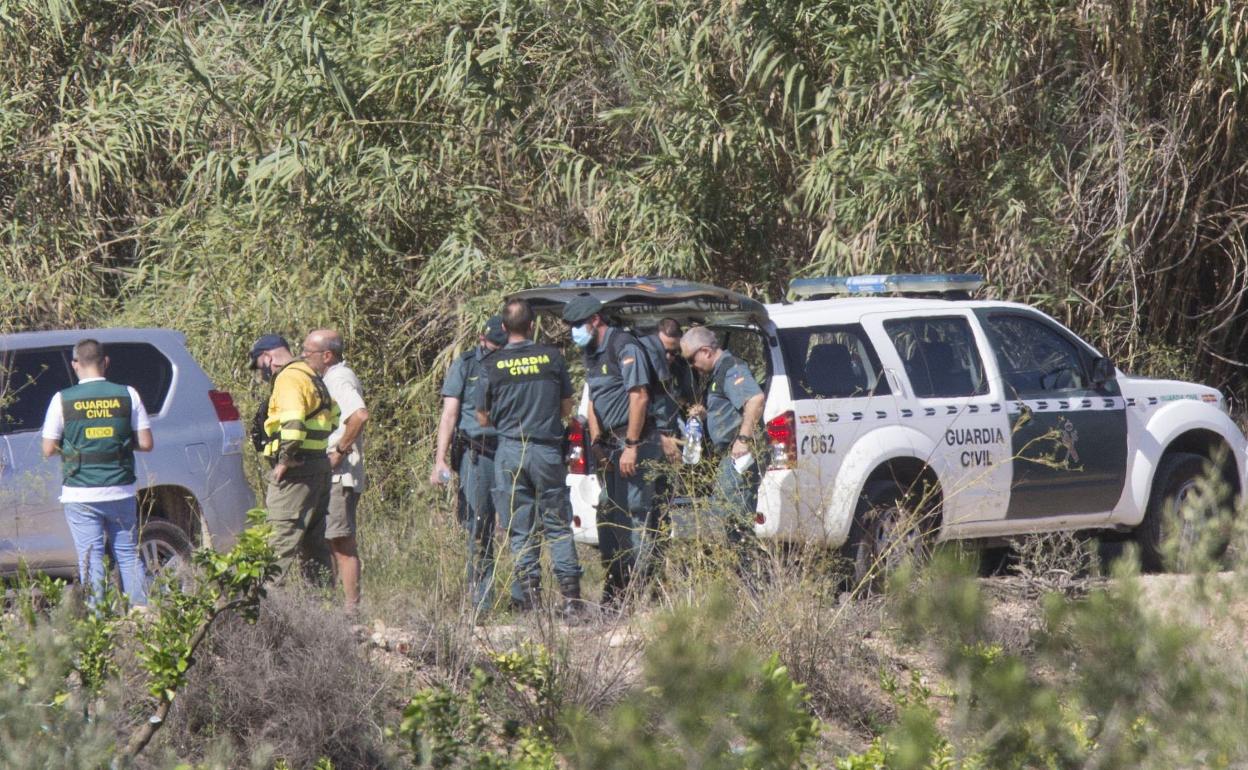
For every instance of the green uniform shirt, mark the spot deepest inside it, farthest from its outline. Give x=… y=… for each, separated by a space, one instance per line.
x=610 y=381
x=525 y=385
x=674 y=389
x=732 y=384
x=465 y=381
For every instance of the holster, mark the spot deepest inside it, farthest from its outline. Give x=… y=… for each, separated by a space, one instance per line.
x=485 y=447
x=459 y=445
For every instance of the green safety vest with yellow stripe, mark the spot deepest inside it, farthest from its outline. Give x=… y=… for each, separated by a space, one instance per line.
x=301 y=414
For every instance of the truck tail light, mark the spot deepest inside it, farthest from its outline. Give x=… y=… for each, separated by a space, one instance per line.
x=223 y=402
x=782 y=435
x=576 y=446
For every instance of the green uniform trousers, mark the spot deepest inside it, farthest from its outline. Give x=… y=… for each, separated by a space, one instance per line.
x=626 y=523
x=476 y=484
x=735 y=501
x=296 y=507
x=531 y=498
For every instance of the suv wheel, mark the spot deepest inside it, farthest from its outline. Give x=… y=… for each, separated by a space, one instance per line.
x=890 y=528
x=1176 y=479
x=163 y=547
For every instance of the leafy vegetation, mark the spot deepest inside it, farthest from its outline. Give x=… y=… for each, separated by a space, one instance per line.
x=393 y=167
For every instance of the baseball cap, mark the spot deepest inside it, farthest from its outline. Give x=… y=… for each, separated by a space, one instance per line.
x=580 y=308
x=494 y=331
x=266 y=343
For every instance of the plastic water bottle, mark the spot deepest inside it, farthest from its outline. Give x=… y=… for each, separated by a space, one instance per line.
x=691 y=454
x=444 y=475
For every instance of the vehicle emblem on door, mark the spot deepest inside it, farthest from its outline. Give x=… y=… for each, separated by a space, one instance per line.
x=1068 y=438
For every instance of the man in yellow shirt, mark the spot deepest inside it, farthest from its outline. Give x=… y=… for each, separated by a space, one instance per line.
x=300 y=417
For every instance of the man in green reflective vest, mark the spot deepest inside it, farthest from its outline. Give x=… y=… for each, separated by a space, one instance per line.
x=96 y=427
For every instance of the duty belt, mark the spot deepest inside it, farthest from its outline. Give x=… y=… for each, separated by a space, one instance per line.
x=482 y=445
x=540 y=441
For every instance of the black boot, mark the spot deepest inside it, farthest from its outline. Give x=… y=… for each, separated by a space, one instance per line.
x=530 y=594
x=573 y=606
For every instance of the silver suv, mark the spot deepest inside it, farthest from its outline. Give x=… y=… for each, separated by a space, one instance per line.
x=191 y=488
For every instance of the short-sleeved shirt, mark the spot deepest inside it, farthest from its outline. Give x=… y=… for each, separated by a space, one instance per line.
x=674 y=387
x=609 y=391
x=525 y=384
x=347 y=392
x=54 y=429
x=732 y=384
x=465 y=381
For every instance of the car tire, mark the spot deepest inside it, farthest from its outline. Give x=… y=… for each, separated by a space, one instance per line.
x=163 y=546
x=1176 y=476
x=888 y=530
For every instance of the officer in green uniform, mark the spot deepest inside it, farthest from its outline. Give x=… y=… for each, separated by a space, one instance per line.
x=620 y=382
x=472 y=451
x=733 y=412
x=673 y=391
x=526 y=397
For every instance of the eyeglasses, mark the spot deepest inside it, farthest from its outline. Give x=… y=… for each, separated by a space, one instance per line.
x=694 y=355
x=309 y=352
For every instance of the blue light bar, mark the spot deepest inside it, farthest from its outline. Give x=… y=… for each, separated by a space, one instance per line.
x=898 y=284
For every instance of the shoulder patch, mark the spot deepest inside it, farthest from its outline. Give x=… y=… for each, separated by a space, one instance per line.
x=627 y=361
x=739 y=380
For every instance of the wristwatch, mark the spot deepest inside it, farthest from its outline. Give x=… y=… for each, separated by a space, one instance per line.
x=744 y=439
x=632 y=442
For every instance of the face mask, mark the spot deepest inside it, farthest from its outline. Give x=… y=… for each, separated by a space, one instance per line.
x=581 y=335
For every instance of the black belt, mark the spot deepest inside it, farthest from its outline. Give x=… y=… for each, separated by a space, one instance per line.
x=483 y=445
x=556 y=442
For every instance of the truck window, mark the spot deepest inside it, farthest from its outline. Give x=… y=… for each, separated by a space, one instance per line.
x=27 y=384
x=831 y=362
x=144 y=368
x=1035 y=360
x=939 y=355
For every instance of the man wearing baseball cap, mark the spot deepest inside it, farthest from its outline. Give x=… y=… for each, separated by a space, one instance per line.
x=298 y=421
x=620 y=382
x=466 y=448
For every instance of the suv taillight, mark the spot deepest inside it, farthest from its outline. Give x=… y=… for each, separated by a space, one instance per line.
x=224 y=404
x=782 y=436
x=576 y=446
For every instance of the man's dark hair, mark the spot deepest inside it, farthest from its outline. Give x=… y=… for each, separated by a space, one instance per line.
x=89 y=352
x=670 y=327
x=518 y=317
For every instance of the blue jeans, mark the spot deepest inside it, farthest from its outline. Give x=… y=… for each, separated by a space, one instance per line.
x=89 y=523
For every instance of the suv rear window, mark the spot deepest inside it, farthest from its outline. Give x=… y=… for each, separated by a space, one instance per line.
x=831 y=362
x=28 y=381
x=142 y=367
x=939 y=355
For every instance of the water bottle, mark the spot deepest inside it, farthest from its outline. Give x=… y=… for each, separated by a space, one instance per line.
x=691 y=454
x=444 y=475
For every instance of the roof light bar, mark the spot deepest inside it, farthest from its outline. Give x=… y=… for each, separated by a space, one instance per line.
x=901 y=284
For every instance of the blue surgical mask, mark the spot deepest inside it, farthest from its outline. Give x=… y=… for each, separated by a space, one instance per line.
x=581 y=335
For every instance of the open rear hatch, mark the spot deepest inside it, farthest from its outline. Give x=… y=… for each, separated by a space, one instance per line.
x=642 y=302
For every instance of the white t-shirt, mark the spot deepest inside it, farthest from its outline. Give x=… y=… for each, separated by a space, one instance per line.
x=54 y=428
x=346 y=391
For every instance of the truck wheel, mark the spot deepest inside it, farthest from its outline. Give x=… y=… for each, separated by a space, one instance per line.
x=163 y=547
x=1176 y=478
x=889 y=529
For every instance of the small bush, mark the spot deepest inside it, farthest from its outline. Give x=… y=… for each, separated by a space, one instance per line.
x=295 y=685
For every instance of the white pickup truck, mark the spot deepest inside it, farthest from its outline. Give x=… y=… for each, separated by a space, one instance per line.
x=885 y=389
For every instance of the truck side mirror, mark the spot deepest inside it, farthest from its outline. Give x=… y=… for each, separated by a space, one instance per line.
x=1103 y=371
